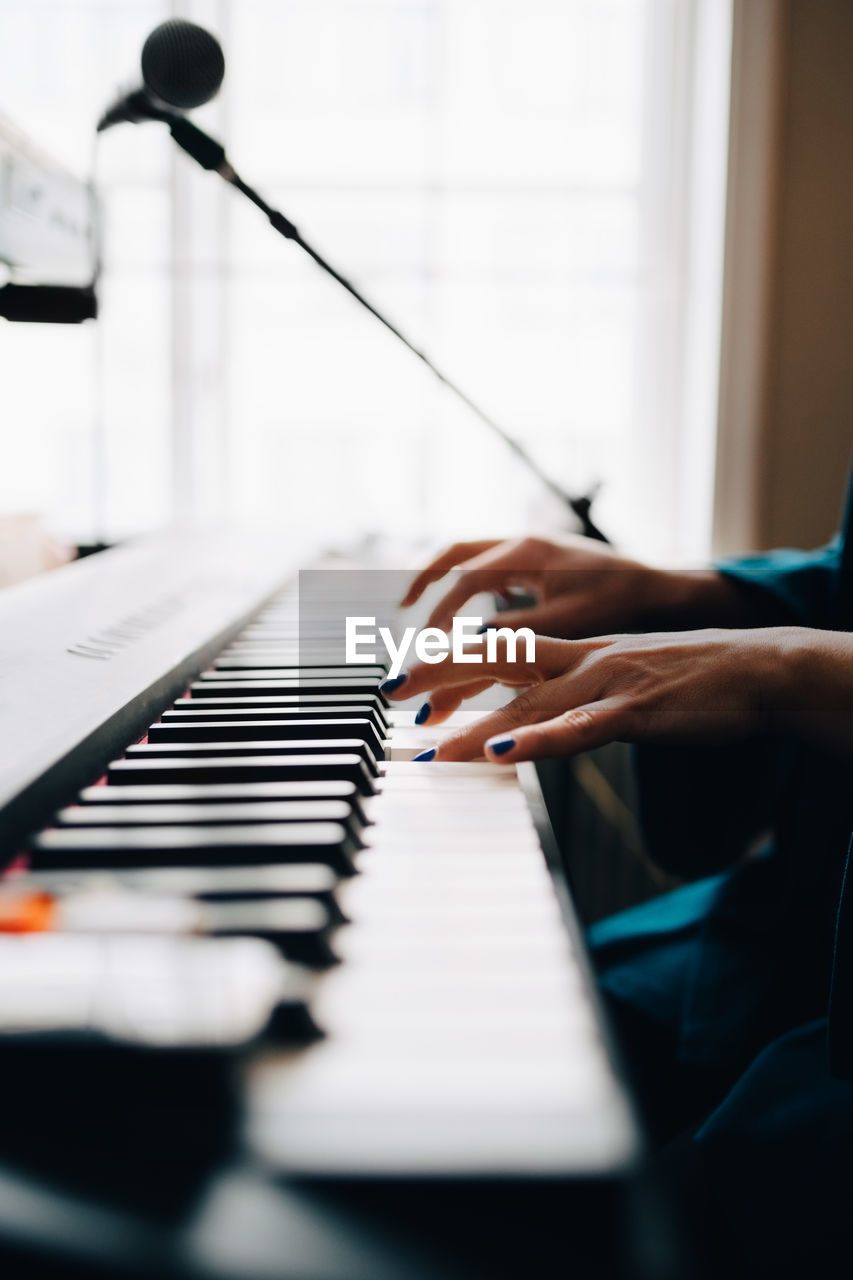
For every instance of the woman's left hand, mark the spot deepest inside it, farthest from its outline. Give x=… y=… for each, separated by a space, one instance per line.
x=694 y=686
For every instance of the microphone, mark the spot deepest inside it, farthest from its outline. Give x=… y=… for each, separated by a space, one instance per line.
x=48 y=303
x=182 y=67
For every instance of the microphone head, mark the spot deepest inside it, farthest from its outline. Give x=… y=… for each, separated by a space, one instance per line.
x=182 y=64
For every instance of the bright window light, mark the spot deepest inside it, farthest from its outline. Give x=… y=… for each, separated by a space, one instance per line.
x=513 y=181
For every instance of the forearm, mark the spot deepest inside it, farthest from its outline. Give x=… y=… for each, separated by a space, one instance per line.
x=689 y=599
x=810 y=690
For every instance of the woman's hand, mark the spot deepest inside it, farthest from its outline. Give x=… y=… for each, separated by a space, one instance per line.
x=581 y=586
x=707 y=686
x=584 y=588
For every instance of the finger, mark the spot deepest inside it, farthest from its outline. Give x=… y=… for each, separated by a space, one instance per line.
x=555 y=617
x=578 y=729
x=444 y=702
x=488 y=572
x=469 y=583
x=564 y=616
x=439 y=566
x=469 y=743
x=551 y=658
x=586 y=726
x=495 y=569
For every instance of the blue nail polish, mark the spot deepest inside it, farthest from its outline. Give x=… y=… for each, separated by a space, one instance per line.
x=500 y=746
x=489 y=626
x=425 y=755
x=388 y=686
x=424 y=714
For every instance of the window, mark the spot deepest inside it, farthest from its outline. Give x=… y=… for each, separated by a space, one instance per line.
x=508 y=180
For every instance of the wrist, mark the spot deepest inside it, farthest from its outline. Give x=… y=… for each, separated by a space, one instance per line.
x=808 y=686
x=678 y=599
x=785 y=655
x=695 y=598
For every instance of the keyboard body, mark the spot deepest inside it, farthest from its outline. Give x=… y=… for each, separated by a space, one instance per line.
x=461 y=1111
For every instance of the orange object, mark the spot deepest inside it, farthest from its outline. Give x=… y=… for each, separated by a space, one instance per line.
x=27 y=912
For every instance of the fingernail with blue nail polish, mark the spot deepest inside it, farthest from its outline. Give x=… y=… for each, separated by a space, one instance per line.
x=388 y=686
x=425 y=755
x=424 y=714
x=489 y=626
x=500 y=746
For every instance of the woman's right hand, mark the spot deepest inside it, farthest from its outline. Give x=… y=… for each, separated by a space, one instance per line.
x=582 y=587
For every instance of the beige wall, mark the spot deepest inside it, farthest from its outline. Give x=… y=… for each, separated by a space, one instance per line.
x=786 y=409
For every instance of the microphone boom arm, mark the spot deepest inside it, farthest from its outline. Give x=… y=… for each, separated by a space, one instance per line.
x=210 y=154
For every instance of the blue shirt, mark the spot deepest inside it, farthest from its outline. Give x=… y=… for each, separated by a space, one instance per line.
x=769 y=931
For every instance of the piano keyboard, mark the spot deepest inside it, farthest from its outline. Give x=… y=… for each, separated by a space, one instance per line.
x=461 y=1038
x=412 y=911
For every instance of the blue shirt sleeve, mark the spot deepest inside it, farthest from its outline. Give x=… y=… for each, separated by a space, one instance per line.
x=804 y=582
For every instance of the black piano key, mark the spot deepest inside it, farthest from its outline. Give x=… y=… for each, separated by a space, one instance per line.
x=289 y=623
x=215 y=815
x=255 y=747
x=339 y=672
x=257 y=730
x=299 y=927
x=305 y=702
x=276 y=639
x=209 y=884
x=346 y=767
x=201 y=713
x=324 y=842
x=218 y=688
x=210 y=793
x=305 y=646
x=282 y=659
x=296 y=651
x=164 y=1049
x=290 y=658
